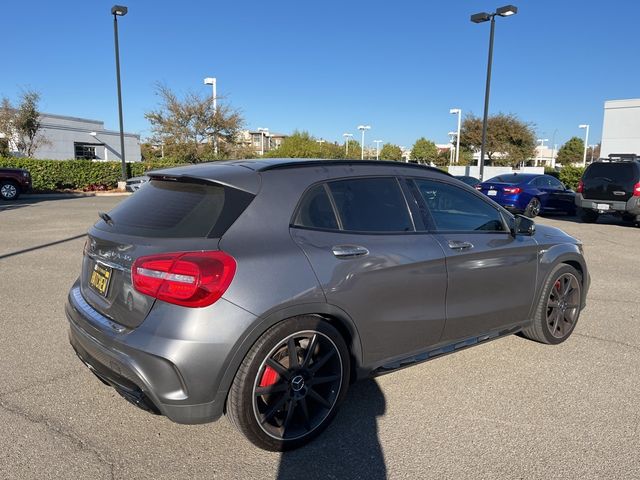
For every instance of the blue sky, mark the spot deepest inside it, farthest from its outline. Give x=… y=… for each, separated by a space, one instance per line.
x=329 y=66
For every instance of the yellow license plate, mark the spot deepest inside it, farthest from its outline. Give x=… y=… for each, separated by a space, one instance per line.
x=100 y=278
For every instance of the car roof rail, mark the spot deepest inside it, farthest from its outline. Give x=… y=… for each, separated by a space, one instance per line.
x=620 y=157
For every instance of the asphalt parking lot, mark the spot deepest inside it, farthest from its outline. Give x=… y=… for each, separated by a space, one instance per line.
x=508 y=409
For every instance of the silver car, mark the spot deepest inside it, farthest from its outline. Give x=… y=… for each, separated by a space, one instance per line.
x=261 y=289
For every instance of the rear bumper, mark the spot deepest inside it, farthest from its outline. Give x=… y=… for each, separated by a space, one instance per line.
x=168 y=365
x=631 y=206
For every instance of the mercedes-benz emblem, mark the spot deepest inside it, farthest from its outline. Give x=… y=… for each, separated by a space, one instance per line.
x=297 y=383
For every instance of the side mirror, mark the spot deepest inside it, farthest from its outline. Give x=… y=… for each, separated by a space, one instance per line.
x=523 y=226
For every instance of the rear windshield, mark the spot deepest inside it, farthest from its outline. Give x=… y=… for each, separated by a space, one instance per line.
x=177 y=210
x=510 y=178
x=620 y=173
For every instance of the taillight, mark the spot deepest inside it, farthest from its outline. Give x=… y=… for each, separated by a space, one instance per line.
x=190 y=279
x=512 y=190
x=581 y=187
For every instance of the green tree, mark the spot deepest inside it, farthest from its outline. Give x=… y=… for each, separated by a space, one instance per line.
x=510 y=141
x=188 y=126
x=304 y=145
x=391 y=152
x=424 y=151
x=571 y=152
x=21 y=125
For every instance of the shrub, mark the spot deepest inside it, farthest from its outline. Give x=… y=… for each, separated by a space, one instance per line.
x=51 y=175
x=570 y=176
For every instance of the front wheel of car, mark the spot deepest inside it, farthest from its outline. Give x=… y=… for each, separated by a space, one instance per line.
x=9 y=190
x=288 y=388
x=534 y=207
x=558 y=307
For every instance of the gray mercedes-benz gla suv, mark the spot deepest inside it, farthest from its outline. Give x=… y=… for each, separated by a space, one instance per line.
x=263 y=288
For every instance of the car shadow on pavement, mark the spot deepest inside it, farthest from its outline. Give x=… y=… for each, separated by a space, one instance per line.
x=38 y=247
x=349 y=448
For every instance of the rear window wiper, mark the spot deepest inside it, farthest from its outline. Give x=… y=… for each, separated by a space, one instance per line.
x=105 y=216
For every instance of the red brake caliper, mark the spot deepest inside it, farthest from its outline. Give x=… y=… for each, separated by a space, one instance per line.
x=269 y=377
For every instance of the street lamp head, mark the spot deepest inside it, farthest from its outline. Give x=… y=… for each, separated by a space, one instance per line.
x=455 y=111
x=364 y=127
x=583 y=126
x=119 y=10
x=346 y=135
x=507 y=10
x=209 y=81
x=480 y=17
x=453 y=134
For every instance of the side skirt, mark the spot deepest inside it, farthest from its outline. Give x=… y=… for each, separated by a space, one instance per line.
x=445 y=350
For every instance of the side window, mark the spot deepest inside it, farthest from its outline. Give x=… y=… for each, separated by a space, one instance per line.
x=371 y=205
x=455 y=209
x=315 y=210
x=555 y=183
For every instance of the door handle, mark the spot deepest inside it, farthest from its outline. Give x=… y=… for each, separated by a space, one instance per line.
x=349 y=251
x=459 y=245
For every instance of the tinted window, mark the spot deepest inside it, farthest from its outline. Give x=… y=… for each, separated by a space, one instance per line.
x=315 y=210
x=455 y=209
x=510 y=178
x=555 y=183
x=619 y=173
x=371 y=205
x=177 y=209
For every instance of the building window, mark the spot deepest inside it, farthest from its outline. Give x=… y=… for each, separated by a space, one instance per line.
x=85 y=151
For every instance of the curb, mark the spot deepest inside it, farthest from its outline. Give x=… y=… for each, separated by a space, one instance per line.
x=44 y=196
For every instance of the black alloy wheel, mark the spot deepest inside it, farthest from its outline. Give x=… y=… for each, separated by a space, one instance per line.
x=563 y=305
x=558 y=307
x=297 y=385
x=290 y=383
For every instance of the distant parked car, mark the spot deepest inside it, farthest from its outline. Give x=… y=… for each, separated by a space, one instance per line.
x=134 y=184
x=610 y=186
x=530 y=193
x=13 y=182
x=469 y=180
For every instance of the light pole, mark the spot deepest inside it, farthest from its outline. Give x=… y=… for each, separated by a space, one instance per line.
x=263 y=132
x=586 y=141
x=214 y=99
x=347 y=136
x=457 y=111
x=452 y=135
x=377 y=142
x=363 y=128
x=481 y=17
x=119 y=11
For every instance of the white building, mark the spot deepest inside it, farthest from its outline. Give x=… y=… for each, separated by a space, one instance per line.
x=621 y=127
x=68 y=138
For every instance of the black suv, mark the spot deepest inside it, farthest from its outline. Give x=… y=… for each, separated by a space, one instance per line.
x=610 y=186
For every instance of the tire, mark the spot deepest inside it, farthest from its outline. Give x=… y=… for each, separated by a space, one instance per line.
x=534 y=207
x=587 y=216
x=9 y=190
x=557 y=312
x=301 y=391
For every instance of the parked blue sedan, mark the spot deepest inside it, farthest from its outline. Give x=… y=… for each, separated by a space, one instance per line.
x=530 y=194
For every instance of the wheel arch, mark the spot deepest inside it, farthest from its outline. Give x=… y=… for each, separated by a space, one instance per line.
x=337 y=317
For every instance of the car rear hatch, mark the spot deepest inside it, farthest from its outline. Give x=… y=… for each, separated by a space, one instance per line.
x=613 y=181
x=171 y=214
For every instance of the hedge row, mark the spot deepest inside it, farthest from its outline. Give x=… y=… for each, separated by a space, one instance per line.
x=50 y=175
